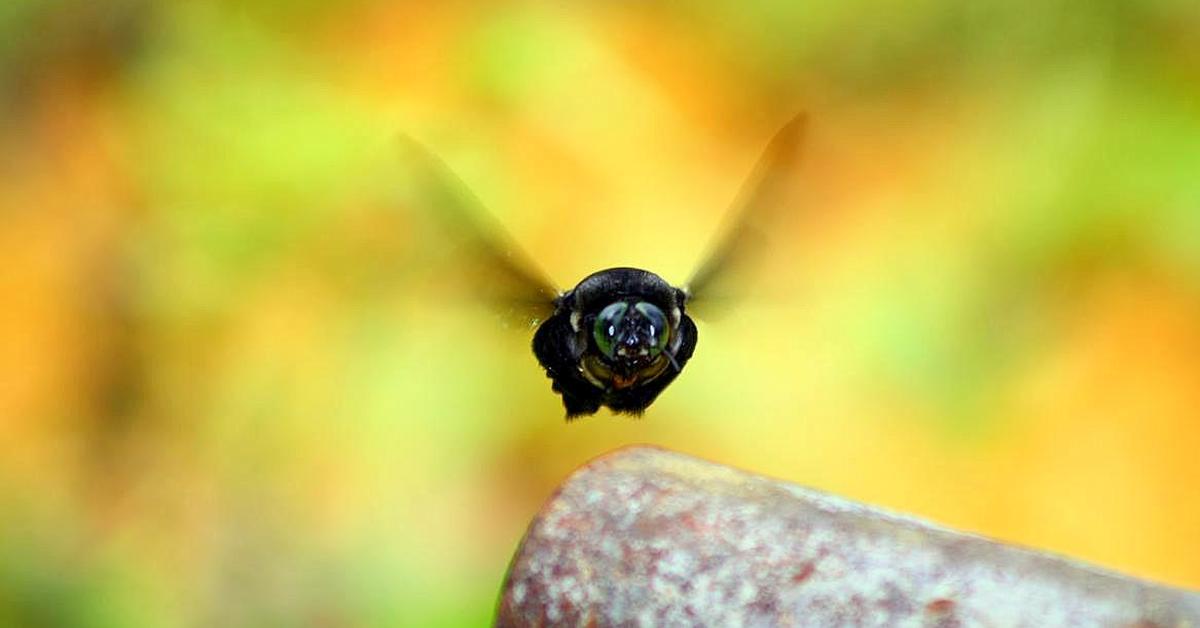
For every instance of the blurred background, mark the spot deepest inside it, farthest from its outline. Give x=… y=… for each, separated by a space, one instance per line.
x=234 y=391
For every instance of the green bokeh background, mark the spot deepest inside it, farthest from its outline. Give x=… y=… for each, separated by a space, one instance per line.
x=238 y=387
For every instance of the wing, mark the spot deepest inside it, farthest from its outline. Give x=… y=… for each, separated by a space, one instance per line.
x=500 y=274
x=759 y=198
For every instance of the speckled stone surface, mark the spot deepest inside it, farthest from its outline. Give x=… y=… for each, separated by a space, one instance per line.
x=648 y=537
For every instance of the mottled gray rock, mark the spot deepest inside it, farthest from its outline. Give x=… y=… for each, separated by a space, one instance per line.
x=648 y=537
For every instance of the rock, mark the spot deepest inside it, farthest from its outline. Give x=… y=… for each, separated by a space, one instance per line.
x=649 y=537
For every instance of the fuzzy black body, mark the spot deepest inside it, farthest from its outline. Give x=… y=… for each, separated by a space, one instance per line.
x=565 y=346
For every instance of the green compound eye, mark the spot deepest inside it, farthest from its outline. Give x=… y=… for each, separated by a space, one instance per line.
x=607 y=323
x=659 y=329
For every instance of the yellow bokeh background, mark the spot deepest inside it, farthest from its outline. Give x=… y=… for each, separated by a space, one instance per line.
x=235 y=391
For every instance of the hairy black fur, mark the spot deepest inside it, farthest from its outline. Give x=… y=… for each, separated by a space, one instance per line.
x=561 y=348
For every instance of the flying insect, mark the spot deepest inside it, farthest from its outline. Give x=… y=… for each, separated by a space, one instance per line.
x=621 y=335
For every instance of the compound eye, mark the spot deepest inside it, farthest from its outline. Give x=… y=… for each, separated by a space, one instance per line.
x=660 y=331
x=607 y=324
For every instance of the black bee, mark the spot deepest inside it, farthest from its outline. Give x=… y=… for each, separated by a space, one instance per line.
x=622 y=335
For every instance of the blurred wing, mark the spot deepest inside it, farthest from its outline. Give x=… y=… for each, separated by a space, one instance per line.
x=759 y=198
x=501 y=275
